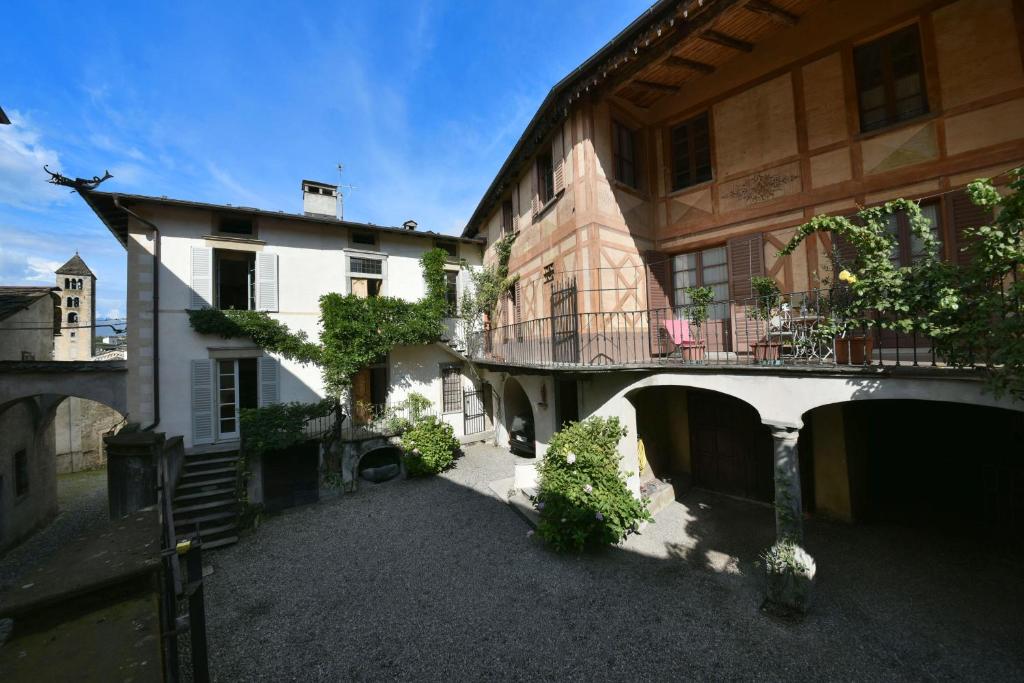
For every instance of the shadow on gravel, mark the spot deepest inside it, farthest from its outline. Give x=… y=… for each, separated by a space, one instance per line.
x=438 y=579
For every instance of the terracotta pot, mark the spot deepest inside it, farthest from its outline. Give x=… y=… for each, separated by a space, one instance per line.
x=767 y=352
x=696 y=353
x=854 y=350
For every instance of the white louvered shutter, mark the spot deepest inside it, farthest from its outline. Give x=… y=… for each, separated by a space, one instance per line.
x=266 y=282
x=269 y=369
x=202 y=277
x=202 y=401
x=558 y=161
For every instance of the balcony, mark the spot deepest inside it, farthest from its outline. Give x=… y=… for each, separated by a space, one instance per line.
x=791 y=332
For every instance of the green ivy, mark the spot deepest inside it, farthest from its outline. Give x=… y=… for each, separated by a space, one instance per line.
x=430 y=447
x=355 y=331
x=490 y=284
x=583 y=498
x=278 y=426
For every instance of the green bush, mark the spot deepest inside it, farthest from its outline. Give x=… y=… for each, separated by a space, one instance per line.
x=583 y=498
x=430 y=447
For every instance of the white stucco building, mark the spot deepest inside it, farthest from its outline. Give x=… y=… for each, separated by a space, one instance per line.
x=186 y=255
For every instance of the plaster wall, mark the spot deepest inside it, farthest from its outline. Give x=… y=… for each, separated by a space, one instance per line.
x=20 y=332
x=831 y=470
x=311 y=262
x=21 y=515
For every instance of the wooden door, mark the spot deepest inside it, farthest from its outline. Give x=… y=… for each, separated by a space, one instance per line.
x=731 y=449
x=362 y=398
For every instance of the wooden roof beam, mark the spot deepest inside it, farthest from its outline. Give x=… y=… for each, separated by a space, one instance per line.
x=772 y=12
x=656 y=87
x=683 y=63
x=726 y=41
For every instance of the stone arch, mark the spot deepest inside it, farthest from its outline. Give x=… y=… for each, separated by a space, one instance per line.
x=515 y=403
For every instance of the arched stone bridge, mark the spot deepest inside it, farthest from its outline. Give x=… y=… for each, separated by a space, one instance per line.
x=51 y=382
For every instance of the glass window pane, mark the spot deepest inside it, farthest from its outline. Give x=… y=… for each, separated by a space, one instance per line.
x=931 y=212
x=716 y=274
x=714 y=257
x=227 y=426
x=684 y=261
x=227 y=410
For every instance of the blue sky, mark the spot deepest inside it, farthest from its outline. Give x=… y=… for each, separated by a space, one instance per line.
x=421 y=102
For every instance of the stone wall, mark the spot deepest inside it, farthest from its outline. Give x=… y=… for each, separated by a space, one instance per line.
x=80 y=425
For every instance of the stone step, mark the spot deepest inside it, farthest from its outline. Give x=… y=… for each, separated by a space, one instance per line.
x=202 y=519
x=205 y=494
x=220 y=542
x=208 y=482
x=197 y=507
x=199 y=474
x=193 y=465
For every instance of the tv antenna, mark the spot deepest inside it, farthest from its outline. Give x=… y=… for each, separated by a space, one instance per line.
x=341 y=194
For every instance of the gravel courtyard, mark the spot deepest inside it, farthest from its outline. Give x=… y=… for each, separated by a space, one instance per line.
x=437 y=579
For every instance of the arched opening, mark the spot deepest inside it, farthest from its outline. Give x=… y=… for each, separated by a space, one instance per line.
x=72 y=317
x=948 y=467
x=519 y=420
x=706 y=439
x=381 y=464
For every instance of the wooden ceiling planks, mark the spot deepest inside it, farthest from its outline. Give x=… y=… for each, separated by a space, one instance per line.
x=735 y=32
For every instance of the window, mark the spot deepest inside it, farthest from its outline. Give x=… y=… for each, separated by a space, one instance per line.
x=235 y=225
x=21 y=473
x=67 y=283
x=624 y=154
x=451 y=388
x=236 y=279
x=72 y=317
x=545 y=178
x=707 y=268
x=451 y=292
x=691 y=153
x=507 y=222
x=236 y=390
x=909 y=247
x=28 y=355
x=449 y=247
x=369 y=391
x=890 y=79
x=75 y=302
x=366 y=276
x=70 y=302
x=366 y=239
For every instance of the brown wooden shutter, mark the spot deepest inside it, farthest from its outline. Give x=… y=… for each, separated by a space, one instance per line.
x=964 y=214
x=519 y=302
x=557 y=161
x=843 y=252
x=535 y=204
x=515 y=209
x=746 y=259
x=659 y=280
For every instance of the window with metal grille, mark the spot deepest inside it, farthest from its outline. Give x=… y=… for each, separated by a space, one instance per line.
x=890 y=79
x=21 y=473
x=624 y=154
x=691 y=153
x=366 y=266
x=451 y=389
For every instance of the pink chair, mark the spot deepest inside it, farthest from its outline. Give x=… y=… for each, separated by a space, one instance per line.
x=679 y=333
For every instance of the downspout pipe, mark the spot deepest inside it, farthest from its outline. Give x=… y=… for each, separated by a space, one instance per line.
x=156 y=307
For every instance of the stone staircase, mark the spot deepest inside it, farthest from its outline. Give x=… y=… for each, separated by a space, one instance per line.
x=207 y=495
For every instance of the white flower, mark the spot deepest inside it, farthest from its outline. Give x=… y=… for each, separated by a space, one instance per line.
x=588 y=488
x=571 y=458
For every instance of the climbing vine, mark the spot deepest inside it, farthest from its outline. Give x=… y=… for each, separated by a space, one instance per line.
x=973 y=313
x=490 y=284
x=279 y=426
x=354 y=331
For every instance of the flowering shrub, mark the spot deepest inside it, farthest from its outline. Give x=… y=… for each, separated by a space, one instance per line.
x=430 y=447
x=583 y=498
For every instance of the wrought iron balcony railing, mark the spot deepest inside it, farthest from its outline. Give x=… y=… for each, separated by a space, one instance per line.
x=793 y=329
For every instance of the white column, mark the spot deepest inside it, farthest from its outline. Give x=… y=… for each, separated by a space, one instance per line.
x=788 y=506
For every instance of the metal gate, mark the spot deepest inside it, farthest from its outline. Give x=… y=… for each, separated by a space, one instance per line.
x=565 y=335
x=473 y=411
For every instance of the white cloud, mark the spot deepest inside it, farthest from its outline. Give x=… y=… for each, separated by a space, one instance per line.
x=22 y=157
x=238 y=192
x=40 y=269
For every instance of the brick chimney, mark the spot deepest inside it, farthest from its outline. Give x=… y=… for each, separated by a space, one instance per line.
x=319 y=199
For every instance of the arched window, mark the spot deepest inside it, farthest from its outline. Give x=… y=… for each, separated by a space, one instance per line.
x=71 y=302
x=72 y=317
x=72 y=284
x=67 y=283
x=79 y=283
x=76 y=302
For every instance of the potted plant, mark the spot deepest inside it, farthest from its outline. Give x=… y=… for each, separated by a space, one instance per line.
x=766 y=306
x=789 y=578
x=697 y=314
x=851 y=337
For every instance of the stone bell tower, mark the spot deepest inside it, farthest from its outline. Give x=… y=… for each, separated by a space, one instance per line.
x=77 y=286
